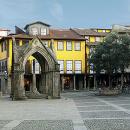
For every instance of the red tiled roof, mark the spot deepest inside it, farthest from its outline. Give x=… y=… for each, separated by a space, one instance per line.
x=64 y=34
x=88 y=32
x=61 y=34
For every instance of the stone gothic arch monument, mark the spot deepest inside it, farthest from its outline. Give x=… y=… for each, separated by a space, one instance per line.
x=50 y=74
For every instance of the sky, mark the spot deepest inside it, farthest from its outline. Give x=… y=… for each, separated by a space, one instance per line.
x=65 y=13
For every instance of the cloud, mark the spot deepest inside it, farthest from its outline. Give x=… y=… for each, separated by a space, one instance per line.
x=56 y=11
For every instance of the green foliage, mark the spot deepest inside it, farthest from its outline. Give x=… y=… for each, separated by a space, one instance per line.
x=112 y=55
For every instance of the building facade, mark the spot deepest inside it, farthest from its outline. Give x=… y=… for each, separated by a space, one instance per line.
x=68 y=47
x=93 y=37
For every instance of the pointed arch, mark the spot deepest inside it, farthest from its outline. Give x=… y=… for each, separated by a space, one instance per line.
x=37 y=49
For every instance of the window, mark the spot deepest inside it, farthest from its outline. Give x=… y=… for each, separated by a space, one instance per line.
x=17 y=42
x=78 y=67
x=68 y=46
x=43 y=31
x=61 y=62
x=97 y=39
x=3 y=46
x=87 y=38
x=34 y=31
x=25 y=42
x=69 y=67
x=77 y=46
x=60 y=46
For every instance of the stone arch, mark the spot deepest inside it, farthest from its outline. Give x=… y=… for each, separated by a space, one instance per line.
x=50 y=61
x=52 y=76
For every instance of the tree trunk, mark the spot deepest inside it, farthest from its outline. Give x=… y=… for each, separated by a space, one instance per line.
x=110 y=84
x=122 y=80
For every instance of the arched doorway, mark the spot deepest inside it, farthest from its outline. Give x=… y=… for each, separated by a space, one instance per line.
x=35 y=70
x=49 y=79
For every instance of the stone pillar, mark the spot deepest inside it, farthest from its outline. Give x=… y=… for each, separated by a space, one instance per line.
x=3 y=88
x=88 y=84
x=19 y=91
x=74 y=82
x=9 y=85
x=47 y=83
x=62 y=82
x=56 y=84
x=95 y=82
x=84 y=82
x=6 y=86
x=50 y=84
x=34 y=88
x=0 y=88
x=43 y=83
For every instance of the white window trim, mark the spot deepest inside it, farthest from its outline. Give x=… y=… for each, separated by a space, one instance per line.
x=78 y=69
x=69 y=69
x=43 y=31
x=69 y=46
x=60 y=45
x=77 y=48
x=34 y=31
x=97 y=39
x=61 y=62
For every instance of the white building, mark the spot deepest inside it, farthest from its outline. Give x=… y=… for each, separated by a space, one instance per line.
x=4 y=32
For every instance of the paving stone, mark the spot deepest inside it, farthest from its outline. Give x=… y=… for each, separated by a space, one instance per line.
x=86 y=100
x=107 y=124
x=3 y=123
x=45 y=125
x=121 y=102
x=126 y=106
x=91 y=108
x=114 y=98
x=105 y=114
x=89 y=103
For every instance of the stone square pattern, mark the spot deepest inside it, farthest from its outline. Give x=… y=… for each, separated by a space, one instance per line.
x=89 y=103
x=94 y=108
x=126 y=107
x=3 y=123
x=105 y=114
x=45 y=125
x=107 y=124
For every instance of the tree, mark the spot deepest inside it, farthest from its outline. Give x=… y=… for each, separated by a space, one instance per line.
x=112 y=55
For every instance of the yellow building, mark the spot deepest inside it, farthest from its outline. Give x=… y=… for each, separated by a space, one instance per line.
x=93 y=37
x=69 y=49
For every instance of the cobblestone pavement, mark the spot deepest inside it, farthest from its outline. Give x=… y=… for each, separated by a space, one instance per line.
x=3 y=123
x=74 y=111
x=45 y=125
x=104 y=112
